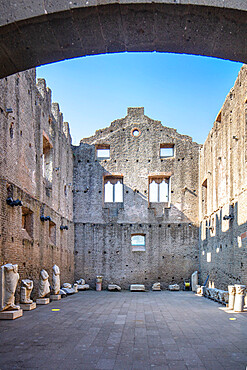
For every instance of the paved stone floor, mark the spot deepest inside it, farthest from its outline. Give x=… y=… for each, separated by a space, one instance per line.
x=127 y=330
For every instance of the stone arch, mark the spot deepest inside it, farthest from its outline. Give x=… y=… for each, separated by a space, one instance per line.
x=53 y=31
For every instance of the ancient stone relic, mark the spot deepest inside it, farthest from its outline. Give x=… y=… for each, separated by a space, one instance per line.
x=232 y=292
x=55 y=279
x=114 y=287
x=44 y=287
x=156 y=287
x=8 y=281
x=174 y=287
x=68 y=289
x=137 y=288
x=194 y=281
x=239 y=298
x=26 y=289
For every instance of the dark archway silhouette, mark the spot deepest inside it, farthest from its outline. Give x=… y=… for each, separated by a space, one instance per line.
x=31 y=36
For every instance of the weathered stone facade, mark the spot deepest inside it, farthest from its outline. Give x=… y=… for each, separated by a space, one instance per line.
x=36 y=166
x=223 y=192
x=142 y=203
x=103 y=230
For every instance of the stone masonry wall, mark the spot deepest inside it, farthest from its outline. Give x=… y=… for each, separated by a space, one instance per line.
x=223 y=192
x=103 y=230
x=30 y=123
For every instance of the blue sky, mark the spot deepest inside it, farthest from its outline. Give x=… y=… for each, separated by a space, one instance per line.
x=185 y=92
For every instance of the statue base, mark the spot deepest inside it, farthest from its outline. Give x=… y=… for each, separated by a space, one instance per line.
x=28 y=306
x=55 y=297
x=42 y=301
x=10 y=315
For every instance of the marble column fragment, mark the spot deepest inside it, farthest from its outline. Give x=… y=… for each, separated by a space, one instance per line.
x=239 y=298
x=232 y=291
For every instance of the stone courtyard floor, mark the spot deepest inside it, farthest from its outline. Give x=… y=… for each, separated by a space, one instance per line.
x=126 y=330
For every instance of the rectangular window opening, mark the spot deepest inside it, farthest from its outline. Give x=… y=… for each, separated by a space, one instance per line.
x=52 y=232
x=27 y=221
x=113 y=189
x=102 y=151
x=159 y=189
x=138 y=242
x=47 y=158
x=204 y=197
x=166 y=150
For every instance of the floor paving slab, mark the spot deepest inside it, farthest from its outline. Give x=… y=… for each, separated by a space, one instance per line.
x=126 y=331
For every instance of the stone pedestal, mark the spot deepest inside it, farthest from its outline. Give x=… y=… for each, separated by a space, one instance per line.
x=55 y=297
x=42 y=301
x=10 y=315
x=28 y=306
x=231 y=291
x=239 y=298
x=137 y=288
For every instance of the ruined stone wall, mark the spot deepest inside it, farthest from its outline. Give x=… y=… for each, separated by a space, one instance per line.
x=31 y=126
x=223 y=185
x=103 y=230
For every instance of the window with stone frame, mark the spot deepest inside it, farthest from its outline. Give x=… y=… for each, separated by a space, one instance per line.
x=159 y=189
x=113 y=189
x=47 y=158
x=102 y=151
x=138 y=242
x=166 y=150
x=52 y=232
x=27 y=221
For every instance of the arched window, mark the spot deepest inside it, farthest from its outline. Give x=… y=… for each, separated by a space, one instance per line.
x=158 y=190
x=138 y=242
x=113 y=189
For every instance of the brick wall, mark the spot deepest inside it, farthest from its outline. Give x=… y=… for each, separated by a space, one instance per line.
x=27 y=119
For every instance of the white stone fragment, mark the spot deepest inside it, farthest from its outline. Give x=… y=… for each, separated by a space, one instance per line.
x=137 y=288
x=55 y=279
x=26 y=289
x=44 y=287
x=83 y=287
x=8 y=281
x=114 y=287
x=156 y=287
x=194 y=281
x=174 y=287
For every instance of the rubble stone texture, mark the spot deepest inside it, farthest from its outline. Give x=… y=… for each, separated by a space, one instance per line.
x=103 y=230
x=32 y=129
x=134 y=239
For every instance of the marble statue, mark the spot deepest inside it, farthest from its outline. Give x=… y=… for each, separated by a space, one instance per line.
x=44 y=287
x=26 y=289
x=55 y=279
x=8 y=283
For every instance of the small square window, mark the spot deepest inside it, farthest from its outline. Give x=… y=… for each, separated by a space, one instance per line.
x=102 y=151
x=166 y=150
x=138 y=242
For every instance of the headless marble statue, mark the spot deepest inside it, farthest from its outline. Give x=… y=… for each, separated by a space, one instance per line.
x=26 y=289
x=8 y=281
x=44 y=287
x=55 y=279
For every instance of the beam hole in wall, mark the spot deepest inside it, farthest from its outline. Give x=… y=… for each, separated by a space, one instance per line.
x=159 y=278
x=163 y=257
x=12 y=239
x=160 y=225
x=89 y=252
x=150 y=225
x=168 y=225
x=178 y=160
x=11 y=130
x=179 y=225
